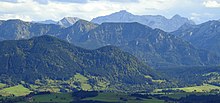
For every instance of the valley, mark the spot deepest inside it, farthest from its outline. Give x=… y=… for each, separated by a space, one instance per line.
x=118 y=97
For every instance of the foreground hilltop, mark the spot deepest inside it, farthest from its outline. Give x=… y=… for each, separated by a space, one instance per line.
x=37 y=60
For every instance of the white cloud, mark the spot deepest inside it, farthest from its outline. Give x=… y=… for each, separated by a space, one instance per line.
x=12 y=16
x=13 y=1
x=122 y=0
x=212 y=4
x=203 y=17
x=41 y=1
x=52 y=9
x=70 y=1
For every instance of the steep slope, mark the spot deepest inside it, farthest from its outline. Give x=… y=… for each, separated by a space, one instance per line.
x=46 y=57
x=17 y=29
x=153 y=46
x=204 y=36
x=68 y=21
x=14 y=29
x=153 y=21
x=75 y=33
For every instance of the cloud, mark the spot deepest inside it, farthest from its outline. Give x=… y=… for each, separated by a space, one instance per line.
x=41 y=1
x=117 y=0
x=200 y=17
x=82 y=1
x=71 y=1
x=212 y=4
x=123 y=0
x=15 y=1
x=39 y=10
x=12 y=16
x=60 y=1
x=12 y=1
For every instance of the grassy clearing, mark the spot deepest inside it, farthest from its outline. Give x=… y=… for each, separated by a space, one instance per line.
x=53 y=89
x=2 y=85
x=202 y=88
x=148 y=77
x=155 y=81
x=18 y=90
x=158 y=81
x=83 y=81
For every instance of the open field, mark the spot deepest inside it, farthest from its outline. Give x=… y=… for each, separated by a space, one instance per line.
x=17 y=93
x=111 y=97
x=202 y=88
x=17 y=90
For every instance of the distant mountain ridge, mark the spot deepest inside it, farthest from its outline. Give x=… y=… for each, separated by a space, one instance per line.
x=45 y=22
x=204 y=36
x=153 y=46
x=17 y=29
x=153 y=21
x=65 y=22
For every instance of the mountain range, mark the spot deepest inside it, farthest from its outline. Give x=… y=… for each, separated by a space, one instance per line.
x=153 y=21
x=153 y=46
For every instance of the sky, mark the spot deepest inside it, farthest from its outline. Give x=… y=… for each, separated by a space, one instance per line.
x=39 y=10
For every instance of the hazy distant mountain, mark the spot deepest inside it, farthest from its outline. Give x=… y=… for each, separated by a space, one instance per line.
x=47 y=22
x=153 y=21
x=17 y=29
x=68 y=21
x=47 y=57
x=65 y=22
x=204 y=36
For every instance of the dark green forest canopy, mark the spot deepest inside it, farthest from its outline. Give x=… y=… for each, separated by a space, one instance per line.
x=48 y=57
